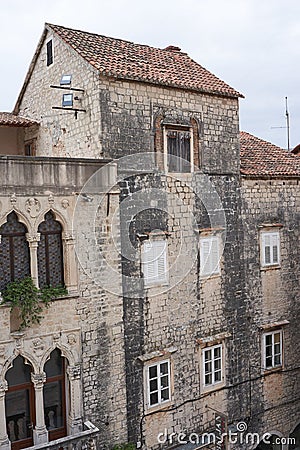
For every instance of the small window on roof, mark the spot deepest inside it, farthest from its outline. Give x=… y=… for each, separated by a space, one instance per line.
x=49 y=53
x=67 y=100
x=65 y=79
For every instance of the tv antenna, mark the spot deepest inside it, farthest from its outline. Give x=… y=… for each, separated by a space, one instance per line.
x=287 y=127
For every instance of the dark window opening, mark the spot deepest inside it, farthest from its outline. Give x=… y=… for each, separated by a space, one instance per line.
x=54 y=396
x=179 y=151
x=49 y=53
x=14 y=251
x=50 y=252
x=20 y=404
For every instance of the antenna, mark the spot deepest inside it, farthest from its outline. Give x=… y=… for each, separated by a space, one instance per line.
x=287 y=127
x=287 y=122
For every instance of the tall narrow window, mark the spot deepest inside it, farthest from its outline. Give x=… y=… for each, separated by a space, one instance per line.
x=212 y=365
x=19 y=404
x=50 y=252
x=158 y=383
x=49 y=52
x=270 y=248
x=272 y=349
x=154 y=261
x=178 y=150
x=54 y=396
x=209 y=256
x=14 y=251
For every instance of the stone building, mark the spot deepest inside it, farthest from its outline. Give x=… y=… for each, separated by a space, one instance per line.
x=123 y=179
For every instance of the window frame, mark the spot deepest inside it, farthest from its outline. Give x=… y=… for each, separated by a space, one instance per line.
x=271 y=234
x=49 y=54
x=214 y=384
x=273 y=354
x=216 y=271
x=158 y=279
x=177 y=128
x=157 y=364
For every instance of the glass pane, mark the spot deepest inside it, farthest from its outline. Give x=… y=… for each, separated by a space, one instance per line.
x=217 y=364
x=268 y=339
x=153 y=372
x=19 y=373
x=207 y=355
x=154 y=398
x=217 y=376
x=217 y=352
x=208 y=367
x=275 y=254
x=153 y=385
x=54 y=366
x=164 y=368
x=164 y=381
x=277 y=360
x=269 y=350
x=165 y=394
x=208 y=379
x=18 y=415
x=267 y=255
x=277 y=338
x=53 y=405
x=269 y=361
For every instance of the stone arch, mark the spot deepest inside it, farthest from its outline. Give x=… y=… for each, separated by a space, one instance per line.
x=21 y=218
x=9 y=362
x=58 y=216
x=65 y=352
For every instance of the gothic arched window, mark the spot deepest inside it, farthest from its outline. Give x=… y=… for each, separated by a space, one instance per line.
x=14 y=251
x=50 y=252
x=54 y=396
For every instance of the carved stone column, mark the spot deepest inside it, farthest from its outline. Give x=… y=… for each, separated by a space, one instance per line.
x=33 y=241
x=4 y=441
x=40 y=432
x=75 y=414
x=70 y=267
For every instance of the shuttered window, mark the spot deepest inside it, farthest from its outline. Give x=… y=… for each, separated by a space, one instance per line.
x=14 y=251
x=154 y=262
x=50 y=252
x=270 y=248
x=209 y=256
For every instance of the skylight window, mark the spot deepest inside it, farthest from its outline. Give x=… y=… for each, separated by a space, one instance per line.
x=67 y=100
x=65 y=80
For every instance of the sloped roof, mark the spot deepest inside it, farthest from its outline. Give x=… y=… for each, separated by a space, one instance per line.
x=11 y=120
x=127 y=60
x=261 y=158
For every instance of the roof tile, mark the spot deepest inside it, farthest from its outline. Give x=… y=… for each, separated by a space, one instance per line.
x=12 y=120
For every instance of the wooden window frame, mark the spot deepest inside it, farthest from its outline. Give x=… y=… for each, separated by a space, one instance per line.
x=273 y=354
x=177 y=129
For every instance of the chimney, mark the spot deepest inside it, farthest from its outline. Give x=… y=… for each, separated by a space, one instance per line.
x=172 y=48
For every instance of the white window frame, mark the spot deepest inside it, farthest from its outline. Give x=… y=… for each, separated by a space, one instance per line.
x=165 y=147
x=154 y=258
x=214 y=370
x=160 y=388
x=273 y=353
x=274 y=241
x=209 y=263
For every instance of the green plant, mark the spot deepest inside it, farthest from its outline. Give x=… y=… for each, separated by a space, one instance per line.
x=128 y=446
x=29 y=300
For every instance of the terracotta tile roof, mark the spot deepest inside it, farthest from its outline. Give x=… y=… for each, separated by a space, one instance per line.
x=261 y=158
x=11 y=120
x=127 y=60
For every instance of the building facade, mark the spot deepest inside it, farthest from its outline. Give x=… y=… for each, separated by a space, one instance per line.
x=124 y=181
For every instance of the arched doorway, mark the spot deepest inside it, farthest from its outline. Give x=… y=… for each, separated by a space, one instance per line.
x=55 y=396
x=295 y=435
x=19 y=404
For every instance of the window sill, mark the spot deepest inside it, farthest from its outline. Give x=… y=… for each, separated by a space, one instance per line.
x=272 y=267
x=161 y=407
x=213 y=388
x=272 y=370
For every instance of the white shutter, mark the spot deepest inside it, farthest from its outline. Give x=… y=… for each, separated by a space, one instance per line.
x=275 y=248
x=209 y=256
x=154 y=261
x=270 y=248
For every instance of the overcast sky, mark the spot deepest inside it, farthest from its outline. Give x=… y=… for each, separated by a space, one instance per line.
x=253 y=45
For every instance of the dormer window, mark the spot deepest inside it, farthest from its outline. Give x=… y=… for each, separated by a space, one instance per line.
x=49 y=53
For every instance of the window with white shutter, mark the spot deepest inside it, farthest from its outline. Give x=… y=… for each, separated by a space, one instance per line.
x=154 y=262
x=270 y=248
x=209 y=256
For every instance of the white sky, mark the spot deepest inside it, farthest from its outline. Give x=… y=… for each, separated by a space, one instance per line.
x=253 y=45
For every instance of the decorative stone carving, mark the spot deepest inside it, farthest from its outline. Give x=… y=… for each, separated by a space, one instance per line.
x=38 y=346
x=65 y=203
x=38 y=379
x=51 y=199
x=33 y=206
x=71 y=339
x=13 y=199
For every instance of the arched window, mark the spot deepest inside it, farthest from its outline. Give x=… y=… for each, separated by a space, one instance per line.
x=272 y=443
x=50 y=252
x=19 y=404
x=14 y=251
x=55 y=396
